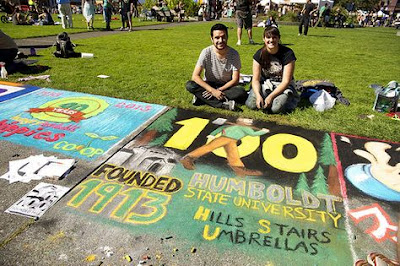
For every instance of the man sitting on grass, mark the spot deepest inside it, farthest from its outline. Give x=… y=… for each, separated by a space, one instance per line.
x=221 y=65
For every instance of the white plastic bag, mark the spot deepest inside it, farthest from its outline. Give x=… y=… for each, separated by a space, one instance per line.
x=322 y=100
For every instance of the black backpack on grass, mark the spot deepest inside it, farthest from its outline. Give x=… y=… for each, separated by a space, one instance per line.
x=64 y=46
x=310 y=86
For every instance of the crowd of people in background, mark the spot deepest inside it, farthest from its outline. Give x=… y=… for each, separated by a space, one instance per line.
x=36 y=13
x=325 y=15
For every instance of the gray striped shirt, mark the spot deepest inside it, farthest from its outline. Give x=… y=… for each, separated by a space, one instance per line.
x=219 y=70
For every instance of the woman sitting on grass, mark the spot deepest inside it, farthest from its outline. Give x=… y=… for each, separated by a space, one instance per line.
x=273 y=86
x=45 y=18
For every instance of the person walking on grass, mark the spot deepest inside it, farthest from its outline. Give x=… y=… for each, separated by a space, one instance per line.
x=88 y=13
x=273 y=86
x=64 y=7
x=107 y=11
x=321 y=17
x=244 y=18
x=307 y=11
x=126 y=14
x=221 y=65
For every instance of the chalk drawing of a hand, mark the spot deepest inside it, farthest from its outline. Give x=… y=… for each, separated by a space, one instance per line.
x=380 y=168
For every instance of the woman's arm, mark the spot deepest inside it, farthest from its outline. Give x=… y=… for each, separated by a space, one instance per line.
x=287 y=76
x=256 y=85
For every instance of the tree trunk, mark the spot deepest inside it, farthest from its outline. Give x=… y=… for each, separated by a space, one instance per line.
x=146 y=138
x=333 y=181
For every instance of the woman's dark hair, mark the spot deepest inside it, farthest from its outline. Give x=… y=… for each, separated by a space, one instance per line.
x=265 y=57
x=219 y=26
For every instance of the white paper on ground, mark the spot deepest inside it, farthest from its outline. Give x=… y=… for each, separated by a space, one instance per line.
x=322 y=100
x=36 y=167
x=37 y=201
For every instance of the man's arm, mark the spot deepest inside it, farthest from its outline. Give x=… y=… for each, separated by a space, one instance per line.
x=314 y=10
x=304 y=9
x=196 y=77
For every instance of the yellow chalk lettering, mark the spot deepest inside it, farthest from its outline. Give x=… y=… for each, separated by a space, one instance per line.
x=310 y=212
x=299 y=211
x=206 y=234
x=223 y=199
x=275 y=209
x=156 y=203
x=287 y=211
x=255 y=205
x=335 y=219
x=304 y=161
x=185 y=136
x=86 y=189
x=207 y=196
x=192 y=193
x=106 y=193
x=265 y=206
x=322 y=213
x=201 y=214
x=265 y=224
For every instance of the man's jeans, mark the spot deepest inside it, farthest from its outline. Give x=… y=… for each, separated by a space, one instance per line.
x=65 y=11
x=306 y=22
x=236 y=93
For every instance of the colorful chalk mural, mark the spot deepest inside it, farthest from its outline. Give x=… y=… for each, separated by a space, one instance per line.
x=370 y=183
x=275 y=192
x=79 y=125
x=9 y=90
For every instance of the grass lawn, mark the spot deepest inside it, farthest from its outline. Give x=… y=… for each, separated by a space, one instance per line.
x=153 y=66
x=79 y=23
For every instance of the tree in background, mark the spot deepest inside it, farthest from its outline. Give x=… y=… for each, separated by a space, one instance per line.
x=148 y=4
x=367 y=5
x=191 y=8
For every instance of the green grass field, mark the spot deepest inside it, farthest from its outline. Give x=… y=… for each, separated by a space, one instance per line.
x=153 y=66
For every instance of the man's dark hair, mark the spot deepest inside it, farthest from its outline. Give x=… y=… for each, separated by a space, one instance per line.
x=219 y=26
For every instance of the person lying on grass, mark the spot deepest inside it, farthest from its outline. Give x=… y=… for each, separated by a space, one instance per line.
x=273 y=85
x=221 y=65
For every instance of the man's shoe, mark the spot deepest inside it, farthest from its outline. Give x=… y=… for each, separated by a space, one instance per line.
x=243 y=171
x=239 y=43
x=229 y=105
x=196 y=101
x=251 y=41
x=187 y=162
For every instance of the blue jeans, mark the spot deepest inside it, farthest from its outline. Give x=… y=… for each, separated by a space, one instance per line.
x=107 y=16
x=285 y=102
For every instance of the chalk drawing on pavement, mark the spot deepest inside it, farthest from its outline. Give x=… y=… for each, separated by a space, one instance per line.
x=76 y=124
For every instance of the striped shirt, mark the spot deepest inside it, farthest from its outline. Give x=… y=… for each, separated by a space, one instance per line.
x=219 y=70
